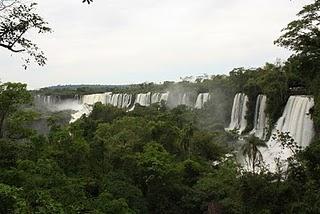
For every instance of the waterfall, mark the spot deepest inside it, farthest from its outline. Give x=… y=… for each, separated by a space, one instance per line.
x=116 y=100
x=56 y=102
x=239 y=110
x=164 y=97
x=86 y=109
x=184 y=100
x=143 y=99
x=175 y=99
x=158 y=97
x=295 y=120
x=201 y=100
x=47 y=100
x=260 y=126
x=155 y=98
x=126 y=100
x=119 y=100
x=91 y=99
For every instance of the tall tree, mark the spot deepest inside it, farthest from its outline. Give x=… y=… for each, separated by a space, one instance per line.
x=303 y=37
x=12 y=95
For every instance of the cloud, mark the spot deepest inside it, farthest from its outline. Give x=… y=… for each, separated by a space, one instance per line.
x=125 y=41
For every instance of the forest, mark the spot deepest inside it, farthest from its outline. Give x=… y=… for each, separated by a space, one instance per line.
x=158 y=159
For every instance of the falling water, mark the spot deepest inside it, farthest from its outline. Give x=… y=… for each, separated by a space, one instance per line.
x=116 y=100
x=164 y=97
x=47 y=100
x=158 y=97
x=239 y=110
x=295 y=120
x=155 y=98
x=201 y=100
x=56 y=103
x=260 y=127
x=143 y=99
x=85 y=110
x=126 y=100
x=91 y=99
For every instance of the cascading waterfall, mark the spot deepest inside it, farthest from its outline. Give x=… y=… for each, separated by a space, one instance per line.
x=239 y=110
x=85 y=110
x=116 y=100
x=184 y=100
x=83 y=104
x=143 y=99
x=260 y=126
x=56 y=102
x=155 y=98
x=296 y=121
x=91 y=99
x=158 y=97
x=164 y=97
x=126 y=100
x=47 y=99
x=176 y=99
x=201 y=100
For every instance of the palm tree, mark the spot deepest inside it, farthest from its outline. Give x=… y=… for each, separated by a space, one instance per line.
x=251 y=150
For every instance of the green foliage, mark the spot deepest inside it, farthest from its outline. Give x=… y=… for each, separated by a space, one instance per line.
x=160 y=160
x=11 y=200
x=18 y=124
x=12 y=95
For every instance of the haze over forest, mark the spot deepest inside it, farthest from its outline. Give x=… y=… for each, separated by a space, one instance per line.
x=239 y=133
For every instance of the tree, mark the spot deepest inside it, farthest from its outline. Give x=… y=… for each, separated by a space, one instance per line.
x=10 y=200
x=16 y=21
x=12 y=95
x=251 y=150
x=303 y=35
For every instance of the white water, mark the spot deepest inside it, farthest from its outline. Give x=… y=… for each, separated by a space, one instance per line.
x=155 y=98
x=55 y=103
x=201 y=100
x=239 y=110
x=164 y=97
x=295 y=120
x=85 y=110
x=158 y=97
x=260 y=126
x=176 y=99
x=143 y=99
x=91 y=99
x=47 y=100
x=126 y=100
x=84 y=103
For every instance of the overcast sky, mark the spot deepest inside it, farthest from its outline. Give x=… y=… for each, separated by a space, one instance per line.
x=133 y=41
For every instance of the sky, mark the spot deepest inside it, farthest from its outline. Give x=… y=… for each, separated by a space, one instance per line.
x=134 y=41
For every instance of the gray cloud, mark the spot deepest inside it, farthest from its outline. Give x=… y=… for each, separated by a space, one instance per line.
x=129 y=41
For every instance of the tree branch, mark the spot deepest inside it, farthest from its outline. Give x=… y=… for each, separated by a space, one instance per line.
x=16 y=40
x=3 y=6
x=11 y=48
